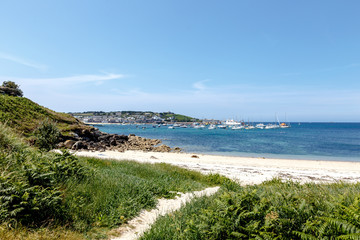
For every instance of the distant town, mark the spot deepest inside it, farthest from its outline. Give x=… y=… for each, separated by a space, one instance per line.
x=132 y=117
x=173 y=119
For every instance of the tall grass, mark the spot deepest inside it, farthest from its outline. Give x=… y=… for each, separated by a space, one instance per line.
x=272 y=210
x=24 y=115
x=43 y=233
x=119 y=190
x=42 y=190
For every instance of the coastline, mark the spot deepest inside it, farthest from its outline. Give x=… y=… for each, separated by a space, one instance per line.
x=245 y=170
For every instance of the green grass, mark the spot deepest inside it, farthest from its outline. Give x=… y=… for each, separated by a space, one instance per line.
x=272 y=210
x=43 y=191
x=7 y=232
x=24 y=116
x=119 y=190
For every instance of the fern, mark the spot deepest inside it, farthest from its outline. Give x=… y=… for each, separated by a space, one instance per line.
x=351 y=236
x=304 y=236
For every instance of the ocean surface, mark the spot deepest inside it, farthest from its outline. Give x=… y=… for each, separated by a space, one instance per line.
x=309 y=141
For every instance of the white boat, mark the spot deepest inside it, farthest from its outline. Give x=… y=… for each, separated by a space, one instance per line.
x=249 y=127
x=237 y=127
x=231 y=122
x=212 y=127
x=221 y=126
x=271 y=126
x=284 y=125
x=171 y=127
x=260 y=125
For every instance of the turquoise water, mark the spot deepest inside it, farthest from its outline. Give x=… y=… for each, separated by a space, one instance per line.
x=322 y=141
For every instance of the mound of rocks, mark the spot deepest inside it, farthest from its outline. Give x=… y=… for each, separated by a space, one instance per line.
x=94 y=140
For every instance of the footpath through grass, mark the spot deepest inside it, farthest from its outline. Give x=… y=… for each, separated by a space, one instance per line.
x=272 y=210
x=119 y=190
x=46 y=194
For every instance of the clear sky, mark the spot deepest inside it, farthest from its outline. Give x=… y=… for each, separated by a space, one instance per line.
x=242 y=59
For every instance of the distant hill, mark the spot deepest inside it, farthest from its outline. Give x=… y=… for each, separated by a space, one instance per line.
x=24 y=116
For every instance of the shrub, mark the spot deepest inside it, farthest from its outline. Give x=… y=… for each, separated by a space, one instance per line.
x=11 y=88
x=47 y=135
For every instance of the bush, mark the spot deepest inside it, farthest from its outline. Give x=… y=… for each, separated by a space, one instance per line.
x=47 y=135
x=11 y=88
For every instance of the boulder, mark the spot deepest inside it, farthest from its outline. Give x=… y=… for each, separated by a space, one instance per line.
x=69 y=143
x=79 y=145
x=162 y=148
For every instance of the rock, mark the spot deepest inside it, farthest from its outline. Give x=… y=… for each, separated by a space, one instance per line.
x=94 y=140
x=69 y=143
x=79 y=145
x=104 y=137
x=121 y=137
x=177 y=149
x=162 y=148
x=195 y=156
x=113 y=142
x=60 y=145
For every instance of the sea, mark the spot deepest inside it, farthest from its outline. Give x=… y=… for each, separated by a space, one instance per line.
x=307 y=141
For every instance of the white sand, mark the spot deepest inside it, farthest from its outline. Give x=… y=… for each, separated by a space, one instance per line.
x=246 y=170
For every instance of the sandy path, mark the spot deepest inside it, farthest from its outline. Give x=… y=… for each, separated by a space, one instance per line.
x=137 y=226
x=247 y=170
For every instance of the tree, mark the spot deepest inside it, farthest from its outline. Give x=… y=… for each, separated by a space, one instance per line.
x=11 y=88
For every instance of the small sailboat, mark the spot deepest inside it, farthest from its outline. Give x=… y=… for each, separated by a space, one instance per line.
x=284 y=125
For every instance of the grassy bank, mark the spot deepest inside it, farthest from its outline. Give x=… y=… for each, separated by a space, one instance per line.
x=24 y=116
x=60 y=195
x=272 y=210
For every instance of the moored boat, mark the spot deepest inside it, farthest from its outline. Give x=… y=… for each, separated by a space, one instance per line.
x=260 y=125
x=212 y=127
x=284 y=125
x=237 y=127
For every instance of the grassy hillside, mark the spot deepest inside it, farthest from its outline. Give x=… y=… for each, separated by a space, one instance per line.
x=24 y=116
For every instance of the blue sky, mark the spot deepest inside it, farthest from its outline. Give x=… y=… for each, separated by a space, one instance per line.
x=236 y=59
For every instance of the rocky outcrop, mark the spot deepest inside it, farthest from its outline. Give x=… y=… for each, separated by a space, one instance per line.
x=94 y=140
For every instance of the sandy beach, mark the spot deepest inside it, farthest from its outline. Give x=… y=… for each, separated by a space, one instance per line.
x=245 y=170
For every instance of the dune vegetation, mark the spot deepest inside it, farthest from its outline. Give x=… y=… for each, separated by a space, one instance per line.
x=47 y=190
x=271 y=210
